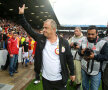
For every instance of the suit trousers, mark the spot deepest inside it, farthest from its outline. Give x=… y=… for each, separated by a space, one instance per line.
x=53 y=85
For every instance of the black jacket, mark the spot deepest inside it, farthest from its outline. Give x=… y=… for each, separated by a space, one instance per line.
x=66 y=58
x=1 y=37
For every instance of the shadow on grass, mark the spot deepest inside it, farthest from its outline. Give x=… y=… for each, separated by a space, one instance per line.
x=33 y=86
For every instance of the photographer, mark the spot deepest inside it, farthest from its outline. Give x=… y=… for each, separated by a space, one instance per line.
x=75 y=43
x=94 y=52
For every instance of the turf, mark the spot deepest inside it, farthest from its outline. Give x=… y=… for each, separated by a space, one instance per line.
x=32 y=86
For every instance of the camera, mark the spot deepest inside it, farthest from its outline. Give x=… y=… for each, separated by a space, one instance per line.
x=87 y=53
x=75 y=44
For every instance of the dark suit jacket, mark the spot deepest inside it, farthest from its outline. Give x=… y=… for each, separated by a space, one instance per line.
x=66 y=58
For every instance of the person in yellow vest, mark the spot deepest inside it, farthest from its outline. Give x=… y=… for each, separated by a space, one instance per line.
x=22 y=40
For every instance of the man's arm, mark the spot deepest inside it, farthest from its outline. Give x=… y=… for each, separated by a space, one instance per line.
x=103 y=56
x=81 y=51
x=9 y=48
x=26 y=25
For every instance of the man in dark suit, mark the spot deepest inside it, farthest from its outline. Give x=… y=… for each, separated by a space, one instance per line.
x=52 y=55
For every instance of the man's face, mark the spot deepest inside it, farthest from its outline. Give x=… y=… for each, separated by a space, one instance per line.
x=91 y=34
x=14 y=35
x=30 y=38
x=77 y=32
x=27 y=39
x=47 y=29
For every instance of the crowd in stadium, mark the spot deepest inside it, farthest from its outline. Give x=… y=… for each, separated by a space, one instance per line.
x=13 y=37
x=85 y=56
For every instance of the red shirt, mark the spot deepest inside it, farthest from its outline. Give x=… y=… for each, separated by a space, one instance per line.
x=12 y=46
x=29 y=45
x=6 y=29
x=34 y=49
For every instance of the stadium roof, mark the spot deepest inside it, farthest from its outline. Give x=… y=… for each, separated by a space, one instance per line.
x=36 y=11
x=83 y=25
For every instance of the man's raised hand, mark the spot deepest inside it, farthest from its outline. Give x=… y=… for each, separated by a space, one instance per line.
x=21 y=9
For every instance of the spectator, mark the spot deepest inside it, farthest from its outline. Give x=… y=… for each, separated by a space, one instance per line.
x=4 y=40
x=1 y=29
x=52 y=51
x=4 y=67
x=31 y=46
x=1 y=40
x=22 y=39
x=13 y=52
x=25 y=51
